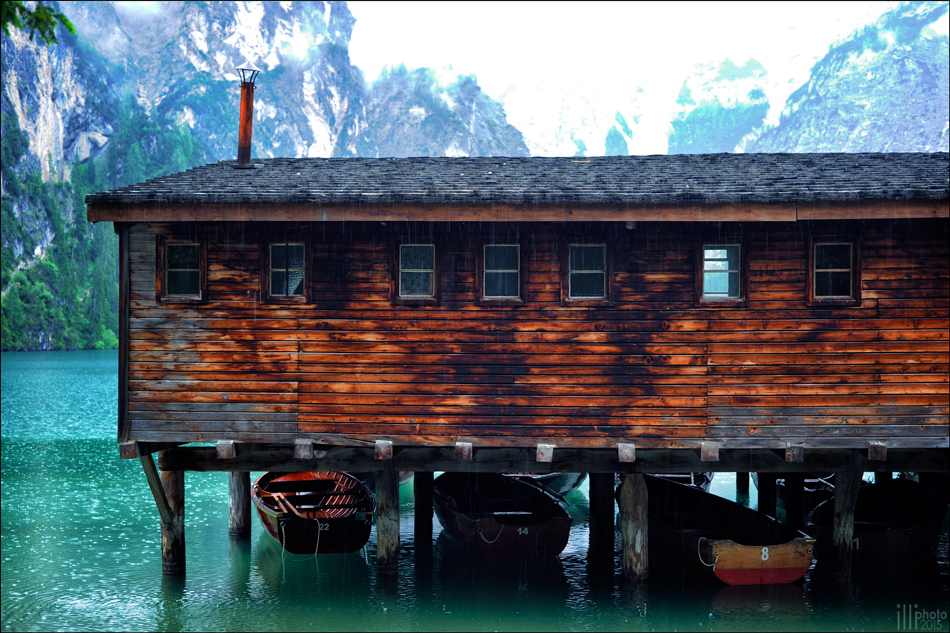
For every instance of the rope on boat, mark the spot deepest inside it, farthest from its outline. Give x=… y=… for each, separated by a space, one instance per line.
x=497 y=536
x=699 y=553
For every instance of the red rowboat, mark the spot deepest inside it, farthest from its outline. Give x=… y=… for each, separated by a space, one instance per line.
x=315 y=512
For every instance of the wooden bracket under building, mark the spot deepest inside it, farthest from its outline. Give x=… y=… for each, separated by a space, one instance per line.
x=877 y=451
x=795 y=453
x=226 y=449
x=545 y=453
x=303 y=449
x=155 y=485
x=384 y=449
x=626 y=453
x=463 y=451
x=710 y=452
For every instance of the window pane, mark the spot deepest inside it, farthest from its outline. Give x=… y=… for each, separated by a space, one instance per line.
x=417 y=257
x=721 y=271
x=501 y=284
x=501 y=257
x=587 y=257
x=833 y=284
x=416 y=284
x=278 y=256
x=587 y=285
x=184 y=282
x=278 y=282
x=295 y=256
x=295 y=282
x=182 y=256
x=828 y=256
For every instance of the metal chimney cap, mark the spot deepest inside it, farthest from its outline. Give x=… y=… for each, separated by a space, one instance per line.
x=248 y=72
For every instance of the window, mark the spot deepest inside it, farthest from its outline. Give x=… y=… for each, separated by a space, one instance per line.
x=180 y=274
x=721 y=272
x=834 y=272
x=501 y=272
x=417 y=271
x=286 y=271
x=587 y=271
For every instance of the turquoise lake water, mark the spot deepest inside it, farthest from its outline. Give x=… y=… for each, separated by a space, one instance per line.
x=80 y=547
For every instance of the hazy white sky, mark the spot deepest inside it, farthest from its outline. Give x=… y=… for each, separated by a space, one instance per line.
x=550 y=61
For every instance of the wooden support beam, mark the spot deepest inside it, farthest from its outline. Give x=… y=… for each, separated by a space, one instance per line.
x=173 y=532
x=226 y=449
x=303 y=448
x=387 y=519
x=767 y=493
x=633 y=527
x=710 y=452
x=795 y=453
x=795 y=500
x=545 y=453
x=239 y=503
x=601 y=497
x=847 y=485
x=626 y=453
x=877 y=451
x=463 y=451
x=155 y=485
x=422 y=487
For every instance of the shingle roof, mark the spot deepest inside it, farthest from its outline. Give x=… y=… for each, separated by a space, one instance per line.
x=698 y=178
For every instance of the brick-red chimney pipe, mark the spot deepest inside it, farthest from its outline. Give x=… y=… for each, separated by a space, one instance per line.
x=247 y=123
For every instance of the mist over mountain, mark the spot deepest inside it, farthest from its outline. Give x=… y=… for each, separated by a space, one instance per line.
x=153 y=89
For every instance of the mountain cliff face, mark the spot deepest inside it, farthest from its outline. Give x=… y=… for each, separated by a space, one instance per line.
x=885 y=89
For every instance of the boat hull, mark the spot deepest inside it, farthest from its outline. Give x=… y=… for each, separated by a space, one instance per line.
x=501 y=517
x=342 y=525
x=723 y=539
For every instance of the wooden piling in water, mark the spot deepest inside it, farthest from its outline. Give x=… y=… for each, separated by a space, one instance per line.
x=173 y=531
x=633 y=527
x=387 y=519
x=422 y=487
x=847 y=485
x=601 y=513
x=239 y=503
x=742 y=483
x=766 y=486
x=795 y=500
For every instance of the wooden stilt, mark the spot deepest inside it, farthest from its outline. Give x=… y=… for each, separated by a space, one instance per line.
x=767 y=493
x=239 y=503
x=387 y=519
x=795 y=500
x=633 y=527
x=742 y=483
x=847 y=484
x=422 y=486
x=173 y=531
x=601 y=514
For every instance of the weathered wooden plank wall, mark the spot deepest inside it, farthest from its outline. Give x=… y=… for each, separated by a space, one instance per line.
x=648 y=366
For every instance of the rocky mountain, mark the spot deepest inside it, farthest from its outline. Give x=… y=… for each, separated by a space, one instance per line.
x=153 y=89
x=884 y=89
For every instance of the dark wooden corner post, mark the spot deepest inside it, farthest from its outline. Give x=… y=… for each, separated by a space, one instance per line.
x=847 y=485
x=168 y=489
x=387 y=511
x=633 y=527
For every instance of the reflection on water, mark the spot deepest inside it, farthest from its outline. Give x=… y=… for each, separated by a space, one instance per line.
x=81 y=551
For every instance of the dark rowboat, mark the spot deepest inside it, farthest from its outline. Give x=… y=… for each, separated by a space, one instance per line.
x=501 y=517
x=718 y=537
x=896 y=526
x=315 y=512
x=559 y=483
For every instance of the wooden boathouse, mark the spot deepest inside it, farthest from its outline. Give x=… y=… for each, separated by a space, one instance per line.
x=776 y=313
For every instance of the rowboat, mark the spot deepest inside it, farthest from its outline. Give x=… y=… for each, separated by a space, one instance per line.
x=559 y=483
x=722 y=538
x=696 y=480
x=501 y=517
x=315 y=512
x=896 y=526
